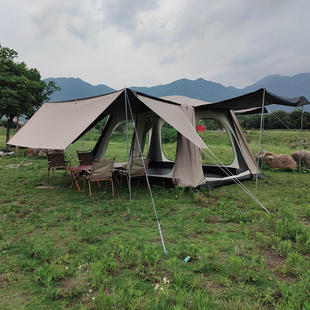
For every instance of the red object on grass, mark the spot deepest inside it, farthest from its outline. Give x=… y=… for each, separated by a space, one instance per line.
x=201 y=128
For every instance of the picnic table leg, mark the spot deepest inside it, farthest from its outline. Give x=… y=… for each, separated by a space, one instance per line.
x=74 y=180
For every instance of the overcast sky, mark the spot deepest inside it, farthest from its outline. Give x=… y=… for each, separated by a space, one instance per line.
x=149 y=42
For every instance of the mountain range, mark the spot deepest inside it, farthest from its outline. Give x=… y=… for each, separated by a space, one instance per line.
x=287 y=86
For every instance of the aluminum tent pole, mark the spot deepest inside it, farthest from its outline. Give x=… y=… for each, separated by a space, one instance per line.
x=260 y=140
x=128 y=153
x=300 y=141
x=147 y=179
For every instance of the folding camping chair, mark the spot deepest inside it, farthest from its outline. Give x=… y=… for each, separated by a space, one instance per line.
x=56 y=161
x=85 y=158
x=102 y=170
x=136 y=169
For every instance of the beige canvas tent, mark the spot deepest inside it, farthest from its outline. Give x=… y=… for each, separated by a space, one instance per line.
x=57 y=125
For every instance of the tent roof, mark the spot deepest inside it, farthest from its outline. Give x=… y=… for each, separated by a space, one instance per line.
x=57 y=125
x=197 y=103
x=174 y=115
x=186 y=100
x=255 y=99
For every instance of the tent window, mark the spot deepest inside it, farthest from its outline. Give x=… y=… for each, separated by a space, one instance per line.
x=117 y=146
x=169 y=141
x=215 y=136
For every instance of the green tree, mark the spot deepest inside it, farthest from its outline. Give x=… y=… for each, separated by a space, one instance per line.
x=22 y=91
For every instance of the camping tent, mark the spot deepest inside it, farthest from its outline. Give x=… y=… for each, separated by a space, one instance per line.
x=57 y=125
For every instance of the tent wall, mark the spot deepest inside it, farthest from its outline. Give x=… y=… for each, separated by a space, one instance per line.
x=188 y=164
x=246 y=152
x=155 y=147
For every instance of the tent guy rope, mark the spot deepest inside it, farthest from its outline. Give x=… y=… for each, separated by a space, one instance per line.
x=146 y=176
x=228 y=173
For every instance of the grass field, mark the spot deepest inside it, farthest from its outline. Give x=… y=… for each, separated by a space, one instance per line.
x=61 y=250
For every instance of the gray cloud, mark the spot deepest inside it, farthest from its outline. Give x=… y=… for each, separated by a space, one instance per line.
x=124 y=13
x=124 y=42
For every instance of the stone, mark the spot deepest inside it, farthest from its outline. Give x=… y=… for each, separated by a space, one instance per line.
x=278 y=161
x=305 y=157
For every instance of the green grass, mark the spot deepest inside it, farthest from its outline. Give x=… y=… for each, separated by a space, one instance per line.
x=61 y=250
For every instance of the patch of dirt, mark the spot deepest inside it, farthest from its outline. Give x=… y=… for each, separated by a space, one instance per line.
x=193 y=236
x=13 y=166
x=29 y=163
x=214 y=287
x=3 y=217
x=214 y=219
x=15 y=203
x=273 y=261
x=47 y=187
x=70 y=284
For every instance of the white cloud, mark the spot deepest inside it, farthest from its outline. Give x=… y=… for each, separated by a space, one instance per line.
x=137 y=42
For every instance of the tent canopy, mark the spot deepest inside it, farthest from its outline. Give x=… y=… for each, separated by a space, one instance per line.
x=56 y=125
x=201 y=103
x=255 y=100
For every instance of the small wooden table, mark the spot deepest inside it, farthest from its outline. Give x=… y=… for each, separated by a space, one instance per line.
x=75 y=172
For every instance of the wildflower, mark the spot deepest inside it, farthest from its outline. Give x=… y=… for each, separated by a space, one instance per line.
x=67 y=267
x=156 y=286
x=93 y=298
x=161 y=288
x=90 y=290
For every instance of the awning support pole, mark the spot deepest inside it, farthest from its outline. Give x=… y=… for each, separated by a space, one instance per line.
x=300 y=141
x=128 y=153
x=146 y=176
x=260 y=140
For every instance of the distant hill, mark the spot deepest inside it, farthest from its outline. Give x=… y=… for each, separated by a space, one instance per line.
x=287 y=86
x=298 y=85
x=198 y=89
x=74 y=88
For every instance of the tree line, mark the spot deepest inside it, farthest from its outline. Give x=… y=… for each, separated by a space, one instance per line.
x=276 y=120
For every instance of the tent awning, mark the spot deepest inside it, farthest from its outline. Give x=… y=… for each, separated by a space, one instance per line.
x=254 y=100
x=57 y=124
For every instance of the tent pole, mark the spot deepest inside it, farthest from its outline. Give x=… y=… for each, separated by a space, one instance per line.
x=147 y=178
x=260 y=140
x=128 y=154
x=300 y=141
